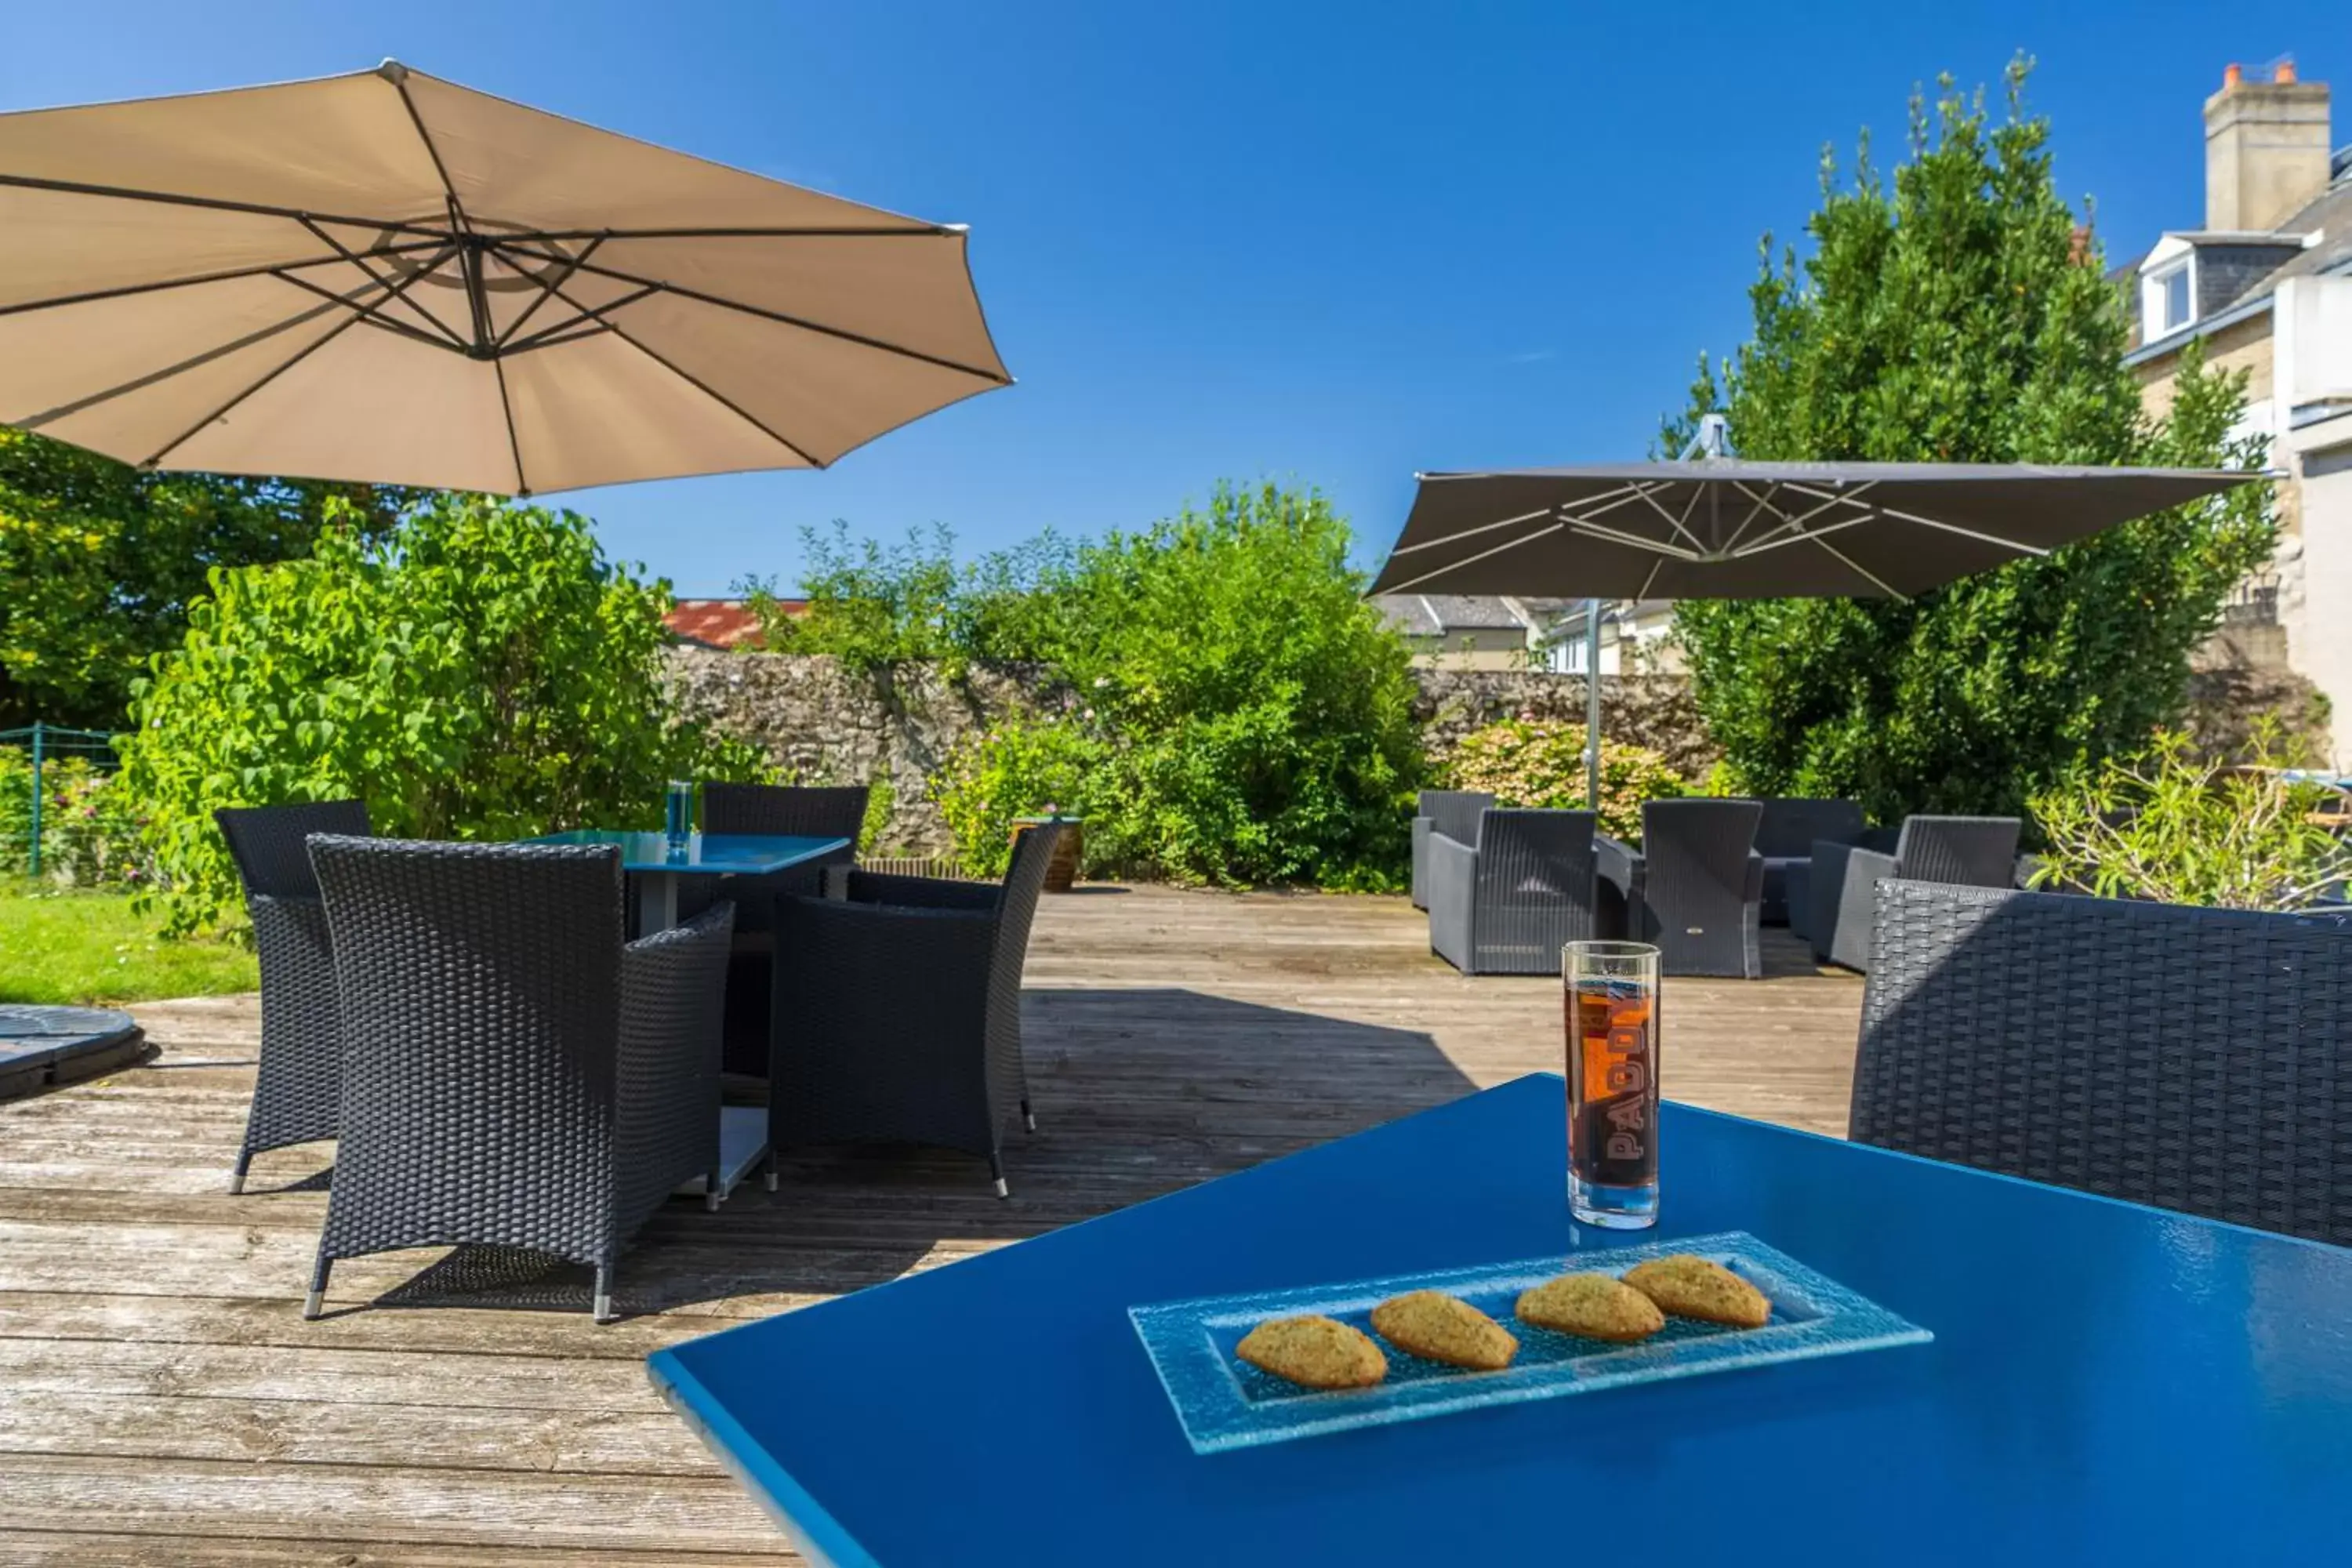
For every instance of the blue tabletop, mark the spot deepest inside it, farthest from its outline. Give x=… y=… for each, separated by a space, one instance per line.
x=713 y=854
x=2108 y=1383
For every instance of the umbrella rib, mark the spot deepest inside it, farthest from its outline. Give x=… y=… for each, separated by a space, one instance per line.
x=348 y=322
x=1794 y=527
x=1473 y=560
x=547 y=292
x=1648 y=494
x=834 y=231
x=214 y=203
x=697 y=382
x=356 y=259
x=2021 y=549
x=994 y=377
x=1856 y=567
x=1655 y=567
x=262 y=335
x=1633 y=540
x=264 y=269
x=370 y=313
x=1536 y=515
x=514 y=441
x=564 y=333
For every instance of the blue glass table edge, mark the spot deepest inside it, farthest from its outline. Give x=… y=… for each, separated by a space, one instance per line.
x=1218 y=1418
x=814 y=848
x=815 y=1533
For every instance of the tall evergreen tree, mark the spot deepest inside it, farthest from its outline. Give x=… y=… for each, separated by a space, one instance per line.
x=1961 y=315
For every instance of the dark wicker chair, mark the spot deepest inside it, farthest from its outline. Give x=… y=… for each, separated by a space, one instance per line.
x=1967 y=851
x=1506 y=898
x=2193 y=1059
x=1785 y=838
x=298 y=1089
x=831 y=812
x=898 y=1010
x=1452 y=813
x=514 y=1074
x=1694 y=888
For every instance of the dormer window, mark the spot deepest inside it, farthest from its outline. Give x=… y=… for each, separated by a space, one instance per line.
x=2167 y=300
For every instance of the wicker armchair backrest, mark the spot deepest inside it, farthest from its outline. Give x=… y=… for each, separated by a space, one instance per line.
x=269 y=843
x=2193 y=1058
x=1973 y=851
x=833 y=812
x=1455 y=813
x=1791 y=823
x=1696 y=851
x=480 y=992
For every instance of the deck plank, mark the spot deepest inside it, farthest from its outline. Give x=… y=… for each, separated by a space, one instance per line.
x=166 y=1404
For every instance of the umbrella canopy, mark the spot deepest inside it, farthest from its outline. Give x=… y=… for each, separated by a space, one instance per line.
x=1730 y=529
x=386 y=277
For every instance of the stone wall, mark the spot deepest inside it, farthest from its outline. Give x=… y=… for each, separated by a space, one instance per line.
x=823 y=724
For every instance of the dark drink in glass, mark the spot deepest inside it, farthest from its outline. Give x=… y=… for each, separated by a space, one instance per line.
x=1611 y=996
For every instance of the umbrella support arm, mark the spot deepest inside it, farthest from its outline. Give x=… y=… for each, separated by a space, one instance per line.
x=1592 y=704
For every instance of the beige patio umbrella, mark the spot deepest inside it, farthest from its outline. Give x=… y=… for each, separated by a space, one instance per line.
x=386 y=277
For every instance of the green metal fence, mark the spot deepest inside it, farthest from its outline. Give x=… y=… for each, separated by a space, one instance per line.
x=62 y=818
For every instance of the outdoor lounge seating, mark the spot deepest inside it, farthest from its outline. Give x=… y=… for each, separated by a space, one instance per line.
x=514 y=1075
x=1971 y=851
x=2198 y=1059
x=1785 y=838
x=1695 y=886
x=820 y=812
x=1451 y=812
x=298 y=1089
x=898 y=1010
x=1506 y=898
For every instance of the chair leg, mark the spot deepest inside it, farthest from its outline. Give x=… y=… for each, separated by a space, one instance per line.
x=1028 y=1117
x=714 y=1190
x=602 y=1310
x=768 y=1176
x=316 y=1300
x=236 y=1177
x=996 y=1169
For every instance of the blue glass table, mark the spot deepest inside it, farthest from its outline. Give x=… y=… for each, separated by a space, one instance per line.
x=2108 y=1383
x=660 y=869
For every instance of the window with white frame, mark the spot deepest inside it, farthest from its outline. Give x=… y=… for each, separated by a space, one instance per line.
x=2166 y=300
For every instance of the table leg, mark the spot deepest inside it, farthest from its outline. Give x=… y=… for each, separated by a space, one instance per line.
x=657 y=901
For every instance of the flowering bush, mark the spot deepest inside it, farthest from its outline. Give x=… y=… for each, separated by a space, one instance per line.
x=1525 y=762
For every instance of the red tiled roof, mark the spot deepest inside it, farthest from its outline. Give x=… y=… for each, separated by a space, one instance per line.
x=722 y=623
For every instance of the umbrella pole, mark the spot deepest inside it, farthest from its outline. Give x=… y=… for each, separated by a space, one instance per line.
x=1592 y=704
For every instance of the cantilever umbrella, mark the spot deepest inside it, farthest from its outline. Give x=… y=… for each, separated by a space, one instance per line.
x=1727 y=528
x=386 y=277
x=1724 y=527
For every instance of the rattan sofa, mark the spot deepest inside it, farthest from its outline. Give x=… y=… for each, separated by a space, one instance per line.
x=2196 y=1059
x=1448 y=813
x=1505 y=899
x=514 y=1074
x=1694 y=888
x=1967 y=851
x=298 y=1087
x=898 y=1010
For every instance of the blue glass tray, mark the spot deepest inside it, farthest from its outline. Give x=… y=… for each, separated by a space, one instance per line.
x=1225 y=1403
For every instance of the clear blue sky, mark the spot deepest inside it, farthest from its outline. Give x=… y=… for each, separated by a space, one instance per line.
x=1332 y=242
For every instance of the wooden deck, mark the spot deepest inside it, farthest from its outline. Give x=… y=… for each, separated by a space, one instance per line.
x=162 y=1401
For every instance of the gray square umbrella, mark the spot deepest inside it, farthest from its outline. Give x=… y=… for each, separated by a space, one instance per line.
x=1725 y=528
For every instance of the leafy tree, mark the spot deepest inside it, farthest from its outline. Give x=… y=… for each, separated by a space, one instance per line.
x=99 y=562
x=1960 y=314
x=481 y=672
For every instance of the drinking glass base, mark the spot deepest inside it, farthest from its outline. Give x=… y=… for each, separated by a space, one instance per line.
x=1612 y=1208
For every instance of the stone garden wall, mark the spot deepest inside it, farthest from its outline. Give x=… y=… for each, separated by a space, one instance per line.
x=823 y=724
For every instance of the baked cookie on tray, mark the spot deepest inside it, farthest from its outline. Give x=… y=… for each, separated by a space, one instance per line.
x=1438 y=1327
x=1691 y=1287
x=1593 y=1305
x=1315 y=1352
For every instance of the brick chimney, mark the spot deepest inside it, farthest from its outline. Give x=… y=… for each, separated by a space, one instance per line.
x=2266 y=147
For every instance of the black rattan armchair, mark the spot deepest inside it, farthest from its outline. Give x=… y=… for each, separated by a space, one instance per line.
x=1968 y=851
x=1506 y=898
x=1696 y=887
x=513 y=1075
x=898 y=1010
x=1785 y=838
x=1449 y=813
x=298 y=1087
x=2196 y=1059
x=829 y=812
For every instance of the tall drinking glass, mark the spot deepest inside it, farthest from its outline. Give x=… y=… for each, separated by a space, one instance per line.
x=677 y=816
x=1613 y=1082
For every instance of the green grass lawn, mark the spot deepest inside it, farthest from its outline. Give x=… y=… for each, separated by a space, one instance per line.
x=88 y=947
